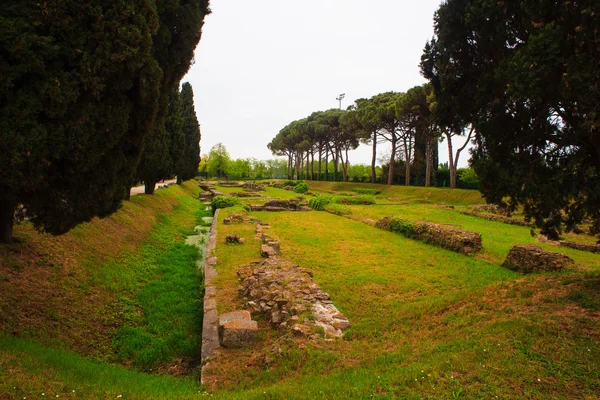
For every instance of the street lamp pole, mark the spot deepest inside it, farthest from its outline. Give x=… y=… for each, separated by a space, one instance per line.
x=340 y=99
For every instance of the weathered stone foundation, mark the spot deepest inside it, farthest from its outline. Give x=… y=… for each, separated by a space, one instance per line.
x=529 y=258
x=460 y=241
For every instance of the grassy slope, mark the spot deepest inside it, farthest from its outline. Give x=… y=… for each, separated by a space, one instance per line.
x=426 y=322
x=407 y=193
x=121 y=289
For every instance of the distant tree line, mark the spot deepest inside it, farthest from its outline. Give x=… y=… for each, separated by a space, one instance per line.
x=218 y=164
x=89 y=104
x=525 y=77
x=406 y=122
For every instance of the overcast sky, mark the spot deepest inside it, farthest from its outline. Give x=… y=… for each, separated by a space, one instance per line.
x=262 y=64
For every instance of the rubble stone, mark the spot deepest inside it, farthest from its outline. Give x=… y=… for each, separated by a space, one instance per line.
x=460 y=241
x=282 y=292
x=530 y=258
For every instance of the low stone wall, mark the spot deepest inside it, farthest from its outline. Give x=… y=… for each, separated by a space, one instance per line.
x=296 y=204
x=497 y=218
x=593 y=248
x=210 y=323
x=529 y=258
x=460 y=241
x=245 y=194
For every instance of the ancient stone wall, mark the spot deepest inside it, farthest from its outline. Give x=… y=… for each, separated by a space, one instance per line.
x=460 y=241
x=530 y=258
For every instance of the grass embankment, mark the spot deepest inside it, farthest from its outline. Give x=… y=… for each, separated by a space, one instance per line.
x=427 y=323
x=120 y=290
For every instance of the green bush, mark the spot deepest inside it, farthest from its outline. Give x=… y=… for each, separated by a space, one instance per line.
x=403 y=227
x=291 y=183
x=371 y=192
x=362 y=199
x=337 y=209
x=318 y=203
x=224 y=202
x=301 y=187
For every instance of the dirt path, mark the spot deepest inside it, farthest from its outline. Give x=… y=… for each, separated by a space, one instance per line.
x=140 y=189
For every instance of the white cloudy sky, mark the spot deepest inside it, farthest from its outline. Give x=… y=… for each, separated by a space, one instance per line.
x=262 y=64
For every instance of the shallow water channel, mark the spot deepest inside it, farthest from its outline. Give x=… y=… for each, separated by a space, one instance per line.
x=200 y=239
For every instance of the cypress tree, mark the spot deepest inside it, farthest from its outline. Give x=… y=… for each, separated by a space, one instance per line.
x=178 y=34
x=191 y=129
x=76 y=80
x=81 y=86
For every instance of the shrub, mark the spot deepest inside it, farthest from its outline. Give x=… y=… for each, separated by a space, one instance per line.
x=318 y=203
x=291 y=183
x=363 y=199
x=372 y=192
x=301 y=187
x=337 y=209
x=224 y=202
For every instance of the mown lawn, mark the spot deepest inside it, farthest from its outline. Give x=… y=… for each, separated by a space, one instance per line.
x=427 y=323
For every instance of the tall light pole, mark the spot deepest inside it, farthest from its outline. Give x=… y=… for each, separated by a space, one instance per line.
x=340 y=99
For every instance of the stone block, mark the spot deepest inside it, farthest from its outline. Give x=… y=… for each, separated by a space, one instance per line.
x=530 y=258
x=275 y=245
x=266 y=251
x=230 y=316
x=238 y=333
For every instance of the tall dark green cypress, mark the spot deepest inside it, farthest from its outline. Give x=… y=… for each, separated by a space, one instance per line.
x=81 y=86
x=178 y=34
x=76 y=76
x=191 y=129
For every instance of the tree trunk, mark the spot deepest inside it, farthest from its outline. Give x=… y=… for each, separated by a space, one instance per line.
x=312 y=165
x=307 y=162
x=326 y=164
x=373 y=159
x=345 y=166
x=319 y=167
x=179 y=180
x=428 y=161
x=392 y=160
x=289 y=168
x=149 y=187
x=336 y=164
x=451 y=164
x=407 y=162
x=7 y=220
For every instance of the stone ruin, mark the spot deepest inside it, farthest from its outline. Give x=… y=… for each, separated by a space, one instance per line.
x=295 y=204
x=229 y=184
x=498 y=217
x=245 y=194
x=270 y=247
x=593 y=248
x=489 y=208
x=234 y=239
x=235 y=218
x=288 y=298
x=460 y=241
x=209 y=191
x=253 y=187
x=237 y=329
x=529 y=258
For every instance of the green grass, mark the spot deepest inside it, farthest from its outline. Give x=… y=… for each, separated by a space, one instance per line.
x=497 y=237
x=130 y=293
x=29 y=370
x=427 y=323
